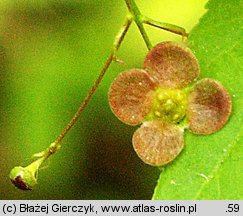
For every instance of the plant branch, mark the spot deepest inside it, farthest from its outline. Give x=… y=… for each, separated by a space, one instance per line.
x=138 y=18
x=166 y=26
x=118 y=40
x=87 y=99
x=121 y=34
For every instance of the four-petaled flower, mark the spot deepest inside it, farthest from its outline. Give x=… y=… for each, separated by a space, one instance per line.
x=159 y=97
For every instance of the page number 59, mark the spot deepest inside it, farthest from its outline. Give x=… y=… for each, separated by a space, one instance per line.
x=233 y=208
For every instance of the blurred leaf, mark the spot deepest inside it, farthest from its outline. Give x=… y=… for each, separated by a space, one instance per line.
x=210 y=167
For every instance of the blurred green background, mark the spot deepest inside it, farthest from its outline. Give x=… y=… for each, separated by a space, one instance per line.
x=51 y=51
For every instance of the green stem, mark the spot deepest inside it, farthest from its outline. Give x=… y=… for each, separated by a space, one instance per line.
x=118 y=40
x=138 y=18
x=132 y=7
x=86 y=100
x=165 y=26
x=33 y=167
x=121 y=34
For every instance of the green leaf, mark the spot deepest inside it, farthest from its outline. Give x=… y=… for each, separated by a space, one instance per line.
x=210 y=167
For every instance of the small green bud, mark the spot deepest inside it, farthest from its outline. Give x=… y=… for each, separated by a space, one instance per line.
x=23 y=178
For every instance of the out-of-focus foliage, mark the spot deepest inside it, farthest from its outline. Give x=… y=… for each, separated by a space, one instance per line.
x=51 y=52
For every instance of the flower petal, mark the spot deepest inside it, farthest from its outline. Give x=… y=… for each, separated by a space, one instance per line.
x=158 y=143
x=172 y=65
x=209 y=107
x=130 y=96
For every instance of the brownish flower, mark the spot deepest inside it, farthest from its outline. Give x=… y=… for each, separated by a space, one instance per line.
x=160 y=97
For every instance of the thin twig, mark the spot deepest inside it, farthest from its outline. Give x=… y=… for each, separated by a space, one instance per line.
x=138 y=18
x=86 y=100
x=118 y=40
x=166 y=26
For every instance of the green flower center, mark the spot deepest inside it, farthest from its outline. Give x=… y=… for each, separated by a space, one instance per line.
x=169 y=105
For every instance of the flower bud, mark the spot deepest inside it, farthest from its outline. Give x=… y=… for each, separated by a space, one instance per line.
x=23 y=178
